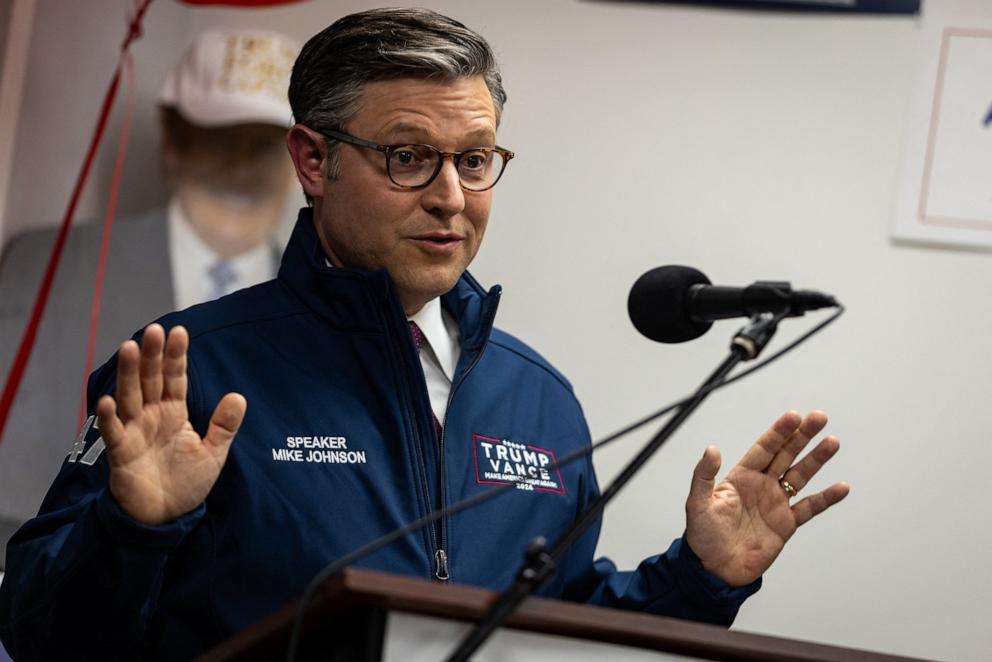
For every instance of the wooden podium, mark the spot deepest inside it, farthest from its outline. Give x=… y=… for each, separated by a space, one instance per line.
x=363 y=616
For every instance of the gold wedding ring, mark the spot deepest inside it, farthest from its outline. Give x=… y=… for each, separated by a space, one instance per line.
x=787 y=486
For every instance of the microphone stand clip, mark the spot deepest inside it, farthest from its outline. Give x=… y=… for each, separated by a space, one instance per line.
x=753 y=337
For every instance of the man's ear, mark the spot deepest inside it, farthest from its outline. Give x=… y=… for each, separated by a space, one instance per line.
x=308 y=150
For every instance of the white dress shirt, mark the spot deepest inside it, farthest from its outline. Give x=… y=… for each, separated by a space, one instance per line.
x=191 y=260
x=439 y=353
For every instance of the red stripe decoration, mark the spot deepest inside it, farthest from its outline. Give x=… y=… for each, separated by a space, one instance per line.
x=108 y=223
x=31 y=331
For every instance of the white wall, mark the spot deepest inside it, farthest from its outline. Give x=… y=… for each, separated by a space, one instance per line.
x=751 y=145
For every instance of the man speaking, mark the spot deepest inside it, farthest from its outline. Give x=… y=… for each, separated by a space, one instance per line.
x=247 y=442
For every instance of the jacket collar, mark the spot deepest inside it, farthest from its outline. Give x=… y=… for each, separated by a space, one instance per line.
x=359 y=300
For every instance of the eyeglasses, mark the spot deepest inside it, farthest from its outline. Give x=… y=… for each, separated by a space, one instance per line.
x=416 y=166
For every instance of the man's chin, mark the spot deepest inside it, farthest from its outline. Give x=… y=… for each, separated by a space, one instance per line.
x=415 y=291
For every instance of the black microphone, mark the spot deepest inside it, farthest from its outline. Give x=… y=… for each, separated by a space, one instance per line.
x=674 y=304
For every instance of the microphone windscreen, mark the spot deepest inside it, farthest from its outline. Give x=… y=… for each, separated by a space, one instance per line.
x=657 y=304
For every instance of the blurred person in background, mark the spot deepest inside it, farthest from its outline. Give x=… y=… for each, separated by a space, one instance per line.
x=224 y=115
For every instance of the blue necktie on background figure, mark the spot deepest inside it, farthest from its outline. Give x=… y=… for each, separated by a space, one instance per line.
x=222 y=276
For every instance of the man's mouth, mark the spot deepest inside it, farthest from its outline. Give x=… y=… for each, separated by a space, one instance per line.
x=438 y=241
x=441 y=238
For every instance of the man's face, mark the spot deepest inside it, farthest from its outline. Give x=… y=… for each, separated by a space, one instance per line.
x=424 y=238
x=232 y=182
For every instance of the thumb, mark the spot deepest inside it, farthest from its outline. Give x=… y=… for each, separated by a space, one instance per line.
x=703 y=477
x=225 y=422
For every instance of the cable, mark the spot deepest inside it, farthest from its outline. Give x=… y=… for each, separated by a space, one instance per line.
x=108 y=223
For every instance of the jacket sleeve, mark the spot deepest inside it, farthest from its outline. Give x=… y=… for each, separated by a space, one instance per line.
x=670 y=584
x=82 y=578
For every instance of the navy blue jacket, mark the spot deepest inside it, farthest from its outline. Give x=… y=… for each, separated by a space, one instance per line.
x=338 y=447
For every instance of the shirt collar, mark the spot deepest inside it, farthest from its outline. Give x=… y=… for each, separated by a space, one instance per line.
x=191 y=258
x=440 y=333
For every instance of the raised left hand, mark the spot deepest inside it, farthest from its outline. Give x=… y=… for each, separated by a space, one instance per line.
x=738 y=528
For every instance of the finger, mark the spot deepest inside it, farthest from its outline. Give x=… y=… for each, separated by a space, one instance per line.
x=224 y=424
x=800 y=474
x=704 y=477
x=111 y=428
x=811 y=426
x=815 y=504
x=174 y=366
x=150 y=366
x=761 y=454
x=129 y=401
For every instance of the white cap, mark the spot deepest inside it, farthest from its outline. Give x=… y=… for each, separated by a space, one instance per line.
x=232 y=76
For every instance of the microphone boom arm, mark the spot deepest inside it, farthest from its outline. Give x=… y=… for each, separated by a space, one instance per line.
x=539 y=565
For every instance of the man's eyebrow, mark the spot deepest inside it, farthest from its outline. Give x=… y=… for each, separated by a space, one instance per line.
x=406 y=129
x=403 y=131
x=482 y=136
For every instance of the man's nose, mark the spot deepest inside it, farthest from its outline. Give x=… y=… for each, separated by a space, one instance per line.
x=444 y=196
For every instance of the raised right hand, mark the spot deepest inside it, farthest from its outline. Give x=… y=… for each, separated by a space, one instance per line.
x=160 y=468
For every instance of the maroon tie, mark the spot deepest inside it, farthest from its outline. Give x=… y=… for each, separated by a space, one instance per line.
x=418 y=335
x=418 y=341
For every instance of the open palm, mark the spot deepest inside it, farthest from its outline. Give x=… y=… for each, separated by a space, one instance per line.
x=160 y=468
x=738 y=527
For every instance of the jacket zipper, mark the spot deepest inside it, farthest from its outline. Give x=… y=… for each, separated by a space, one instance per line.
x=441 y=565
x=418 y=441
x=441 y=558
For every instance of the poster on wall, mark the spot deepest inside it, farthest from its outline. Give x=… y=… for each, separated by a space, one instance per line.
x=944 y=194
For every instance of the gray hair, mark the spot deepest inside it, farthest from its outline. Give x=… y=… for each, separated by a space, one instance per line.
x=383 y=44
